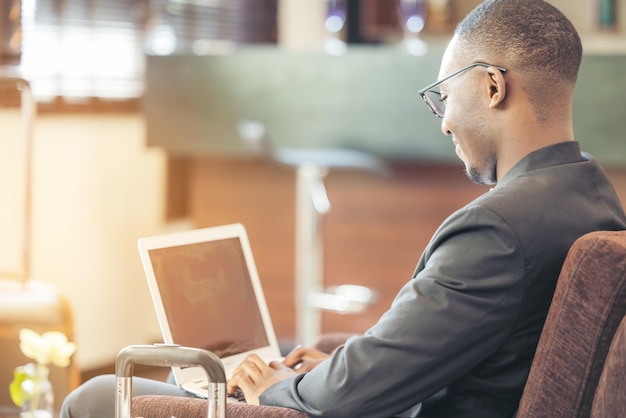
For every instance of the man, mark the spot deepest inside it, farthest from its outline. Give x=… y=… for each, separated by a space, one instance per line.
x=460 y=336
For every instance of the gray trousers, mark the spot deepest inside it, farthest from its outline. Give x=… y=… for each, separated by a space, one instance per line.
x=96 y=397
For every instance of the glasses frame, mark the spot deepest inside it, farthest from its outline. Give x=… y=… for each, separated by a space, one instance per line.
x=430 y=87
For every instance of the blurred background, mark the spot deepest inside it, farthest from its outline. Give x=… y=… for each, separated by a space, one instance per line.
x=163 y=115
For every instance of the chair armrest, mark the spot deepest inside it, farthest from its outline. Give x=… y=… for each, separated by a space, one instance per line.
x=181 y=407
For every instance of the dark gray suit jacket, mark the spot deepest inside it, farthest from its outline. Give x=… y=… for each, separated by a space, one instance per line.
x=466 y=326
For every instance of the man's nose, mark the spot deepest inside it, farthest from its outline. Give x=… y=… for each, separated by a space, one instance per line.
x=444 y=128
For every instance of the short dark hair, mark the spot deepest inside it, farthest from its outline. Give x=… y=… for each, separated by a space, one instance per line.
x=530 y=35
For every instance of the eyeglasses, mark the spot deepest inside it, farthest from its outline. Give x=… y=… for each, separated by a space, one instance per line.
x=432 y=97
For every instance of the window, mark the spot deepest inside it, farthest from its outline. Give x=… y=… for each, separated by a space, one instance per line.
x=83 y=49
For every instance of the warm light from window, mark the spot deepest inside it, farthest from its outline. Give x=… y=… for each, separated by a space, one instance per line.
x=78 y=61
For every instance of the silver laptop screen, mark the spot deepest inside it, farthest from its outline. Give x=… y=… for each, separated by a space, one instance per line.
x=207 y=286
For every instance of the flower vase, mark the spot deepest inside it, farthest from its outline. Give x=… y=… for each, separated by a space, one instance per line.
x=37 y=394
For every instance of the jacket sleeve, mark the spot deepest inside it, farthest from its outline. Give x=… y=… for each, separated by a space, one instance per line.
x=455 y=311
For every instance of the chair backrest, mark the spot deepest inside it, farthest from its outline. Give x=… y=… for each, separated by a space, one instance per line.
x=610 y=400
x=588 y=305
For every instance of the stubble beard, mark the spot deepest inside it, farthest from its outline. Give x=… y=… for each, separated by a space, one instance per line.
x=486 y=177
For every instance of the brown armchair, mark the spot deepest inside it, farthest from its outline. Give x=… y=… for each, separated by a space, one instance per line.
x=579 y=367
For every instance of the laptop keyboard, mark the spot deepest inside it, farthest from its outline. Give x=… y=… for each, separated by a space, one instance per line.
x=236 y=396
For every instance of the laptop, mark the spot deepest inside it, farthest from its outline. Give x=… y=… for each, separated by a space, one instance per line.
x=207 y=294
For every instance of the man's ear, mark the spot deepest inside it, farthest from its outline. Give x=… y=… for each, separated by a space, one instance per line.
x=497 y=87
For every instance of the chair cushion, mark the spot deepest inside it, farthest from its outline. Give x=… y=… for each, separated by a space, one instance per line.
x=610 y=397
x=588 y=305
x=159 y=406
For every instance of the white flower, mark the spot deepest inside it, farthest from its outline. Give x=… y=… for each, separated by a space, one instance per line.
x=50 y=347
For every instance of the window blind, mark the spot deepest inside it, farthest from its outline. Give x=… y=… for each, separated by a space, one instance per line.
x=80 y=49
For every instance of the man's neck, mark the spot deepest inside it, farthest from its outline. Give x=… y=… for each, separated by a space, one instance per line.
x=531 y=137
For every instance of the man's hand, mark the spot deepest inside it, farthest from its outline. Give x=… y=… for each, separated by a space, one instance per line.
x=253 y=376
x=302 y=359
